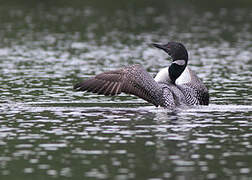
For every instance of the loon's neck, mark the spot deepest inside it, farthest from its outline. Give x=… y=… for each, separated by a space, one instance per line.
x=164 y=77
x=176 y=69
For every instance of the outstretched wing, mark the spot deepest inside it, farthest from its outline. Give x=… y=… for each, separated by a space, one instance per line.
x=131 y=80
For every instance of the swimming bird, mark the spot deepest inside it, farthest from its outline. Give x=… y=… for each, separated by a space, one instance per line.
x=173 y=86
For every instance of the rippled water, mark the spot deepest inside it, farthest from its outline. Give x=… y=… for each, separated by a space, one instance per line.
x=49 y=131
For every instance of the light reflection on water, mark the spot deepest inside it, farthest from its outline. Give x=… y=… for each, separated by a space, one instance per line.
x=48 y=130
x=181 y=138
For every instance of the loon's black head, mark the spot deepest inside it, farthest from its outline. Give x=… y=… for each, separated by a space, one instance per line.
x=179 y=56
x=176 y=50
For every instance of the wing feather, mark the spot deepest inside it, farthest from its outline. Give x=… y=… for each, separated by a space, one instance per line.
x=108 y=88
x=131 y=80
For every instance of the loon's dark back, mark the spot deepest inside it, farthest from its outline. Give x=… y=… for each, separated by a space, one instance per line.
x=195 y=91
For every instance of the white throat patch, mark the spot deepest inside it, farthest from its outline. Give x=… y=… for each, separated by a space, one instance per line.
x=179 y=62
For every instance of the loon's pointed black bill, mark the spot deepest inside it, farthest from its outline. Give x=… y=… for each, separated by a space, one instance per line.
x=160 y=46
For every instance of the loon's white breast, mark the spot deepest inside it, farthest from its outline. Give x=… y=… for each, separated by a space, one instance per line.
x=163 y=76
x=185 y=77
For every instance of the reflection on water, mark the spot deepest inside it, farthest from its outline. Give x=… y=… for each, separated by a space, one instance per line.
x=49 y=131
x=120 y=138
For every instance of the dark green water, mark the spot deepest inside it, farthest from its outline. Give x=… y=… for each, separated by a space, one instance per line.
x=48 y=131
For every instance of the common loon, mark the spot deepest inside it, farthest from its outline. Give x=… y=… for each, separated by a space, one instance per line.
x=173 y=86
